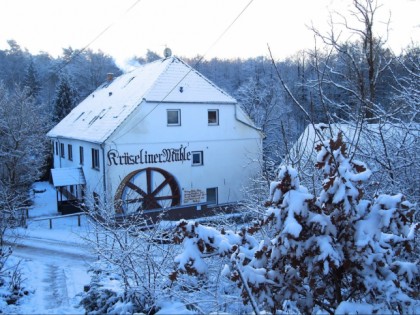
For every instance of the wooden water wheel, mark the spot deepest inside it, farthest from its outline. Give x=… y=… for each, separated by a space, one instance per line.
x=147 y=189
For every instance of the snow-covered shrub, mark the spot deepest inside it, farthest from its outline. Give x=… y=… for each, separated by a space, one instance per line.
x=327 y=253
x=105 y=294
x=133 y=265
x=11 y=281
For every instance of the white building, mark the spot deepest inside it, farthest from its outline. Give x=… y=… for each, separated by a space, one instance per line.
x=157 y=137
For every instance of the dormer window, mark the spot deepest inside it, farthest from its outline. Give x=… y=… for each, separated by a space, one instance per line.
x=213 y=117
x=173 y=117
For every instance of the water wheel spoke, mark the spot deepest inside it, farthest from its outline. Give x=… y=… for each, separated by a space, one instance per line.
x=136 y=189
x=151 y=203
x=149 y=180
x=134 y=200
x=161 y=186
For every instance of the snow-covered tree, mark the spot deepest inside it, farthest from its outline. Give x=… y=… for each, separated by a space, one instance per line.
x=354 y=66
x=22 y=151
x=407 y=88
x=362 y=90
x=334 y=253
x=32 y=81
x=13 y=64
x=87 y=68
x=65 y=99
x=23 y=125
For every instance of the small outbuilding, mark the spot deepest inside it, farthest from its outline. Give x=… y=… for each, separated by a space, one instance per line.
x=159 y=137
x=390 y=150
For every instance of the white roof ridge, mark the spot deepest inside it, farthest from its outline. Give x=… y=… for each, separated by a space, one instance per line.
x=206 y=79
x=162 y=72
x=190 y=69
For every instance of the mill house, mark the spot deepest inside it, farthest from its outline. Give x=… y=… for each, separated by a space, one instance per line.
x=159 y=137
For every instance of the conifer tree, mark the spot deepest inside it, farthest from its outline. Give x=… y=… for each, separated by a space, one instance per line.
x=65 y=99
x=31 y=81
x=336 y=253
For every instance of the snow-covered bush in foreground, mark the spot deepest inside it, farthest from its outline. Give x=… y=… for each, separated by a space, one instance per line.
x=131 y=274
x=105 y=294
x=334 y=253
x=11 y=281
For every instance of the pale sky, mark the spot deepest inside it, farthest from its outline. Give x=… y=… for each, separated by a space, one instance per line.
x=188 y=27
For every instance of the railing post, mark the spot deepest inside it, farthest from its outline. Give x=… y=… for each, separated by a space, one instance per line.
x=50 y=219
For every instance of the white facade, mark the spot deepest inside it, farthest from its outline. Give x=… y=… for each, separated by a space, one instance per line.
x=160 y=136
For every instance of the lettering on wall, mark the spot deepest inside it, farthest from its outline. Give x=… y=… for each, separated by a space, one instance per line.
x=143 y=156
x=194 y=195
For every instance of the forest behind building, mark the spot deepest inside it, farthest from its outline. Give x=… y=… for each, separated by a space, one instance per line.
x=282 y=97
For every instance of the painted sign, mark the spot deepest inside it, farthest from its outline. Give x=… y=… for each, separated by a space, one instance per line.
x=194 y=195
x=168 y=155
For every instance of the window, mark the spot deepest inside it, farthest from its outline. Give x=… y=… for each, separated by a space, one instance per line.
x=62 y=153
x=213 y=117
x=56 y=148
x=212 y=195
x=81 y=156
x=70 y=153
x=95 y=159
x=174 y=117
x=197 y=157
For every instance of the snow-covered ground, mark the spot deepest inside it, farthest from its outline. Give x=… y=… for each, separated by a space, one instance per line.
x=54 y=262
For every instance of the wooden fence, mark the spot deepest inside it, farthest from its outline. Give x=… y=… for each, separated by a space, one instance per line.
x=50 y=219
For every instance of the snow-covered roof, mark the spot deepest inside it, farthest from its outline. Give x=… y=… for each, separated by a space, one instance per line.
x=390 y=151
x=369 y=141
x=68 y=176
x=166 y=80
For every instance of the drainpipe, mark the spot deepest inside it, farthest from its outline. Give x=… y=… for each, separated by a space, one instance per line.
x=102 y=145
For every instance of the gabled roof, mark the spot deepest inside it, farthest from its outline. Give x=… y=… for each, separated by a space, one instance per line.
x=166 y=80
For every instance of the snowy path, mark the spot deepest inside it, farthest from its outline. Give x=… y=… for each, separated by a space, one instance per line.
x=57 y=271
x=54 y=261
